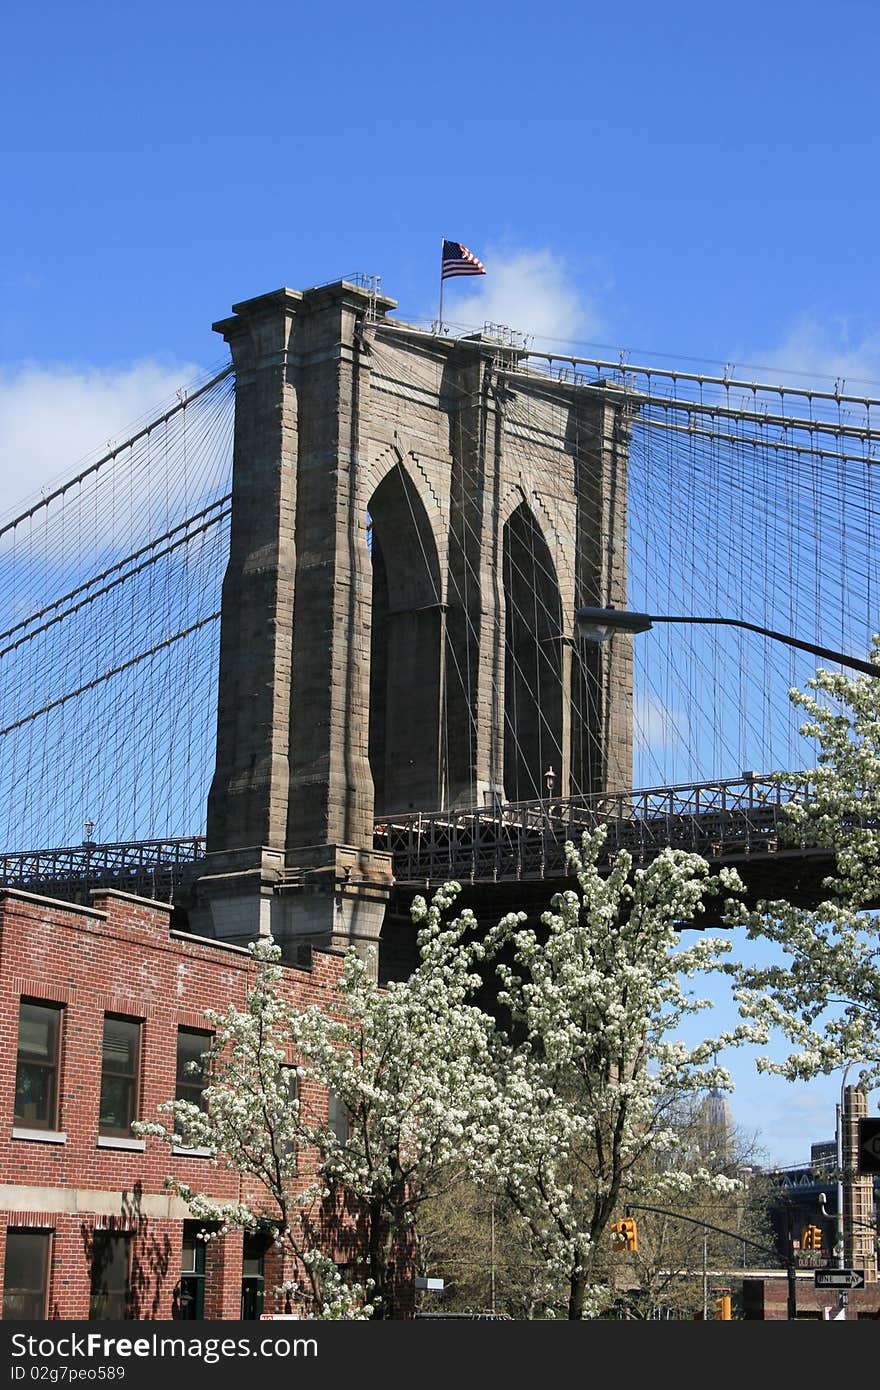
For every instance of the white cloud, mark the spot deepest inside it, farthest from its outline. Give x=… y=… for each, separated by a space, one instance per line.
x=819 y=352
x=53 y=418
x=656 y=724
x=533 y=292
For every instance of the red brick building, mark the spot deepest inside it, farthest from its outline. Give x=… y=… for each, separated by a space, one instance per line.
x=101 y=1007
x=765 y=1299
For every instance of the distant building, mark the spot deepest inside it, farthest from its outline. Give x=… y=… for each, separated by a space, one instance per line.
x=823 y=1155
x=716 y=1128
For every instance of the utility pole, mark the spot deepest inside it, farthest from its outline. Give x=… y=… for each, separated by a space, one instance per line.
x=493 y=1255
x=792 y=1275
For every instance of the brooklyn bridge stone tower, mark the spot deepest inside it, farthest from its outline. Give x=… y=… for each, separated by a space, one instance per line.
x=415 y=518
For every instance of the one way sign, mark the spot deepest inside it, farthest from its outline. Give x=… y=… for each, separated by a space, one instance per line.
x=839 y=1278
x=869 y=1145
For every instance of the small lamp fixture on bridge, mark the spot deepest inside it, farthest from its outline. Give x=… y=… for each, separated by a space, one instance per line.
x=550 y=780
x=89 y=827
x=598 y=624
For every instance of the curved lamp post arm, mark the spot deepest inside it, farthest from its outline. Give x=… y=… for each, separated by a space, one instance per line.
x=706 y=1225
x=829 y=1215
x=766 y=1249
x=601 y=623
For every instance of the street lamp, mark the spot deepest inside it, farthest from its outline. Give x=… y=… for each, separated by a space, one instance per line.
x=840 y=1240
x=841 y=1220
x=598 y=624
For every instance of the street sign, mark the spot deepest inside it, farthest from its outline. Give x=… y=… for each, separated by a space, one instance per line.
x=868 y=1160
x=839 y=1278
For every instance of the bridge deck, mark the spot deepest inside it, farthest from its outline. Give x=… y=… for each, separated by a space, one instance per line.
x=726 y=822
x=723 y=821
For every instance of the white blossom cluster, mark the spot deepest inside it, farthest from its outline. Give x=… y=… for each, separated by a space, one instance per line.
x=586 y=1080
x=824 y=995
x=406 y=1066
x=563 y=1099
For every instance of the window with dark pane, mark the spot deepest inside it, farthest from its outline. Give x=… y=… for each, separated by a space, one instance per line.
x=120 y=1066
x=290 y=1080
x=192 y=1272
x=109 y=1277
x=26 y=1275
x=36 y=1073
x=192 y=1075
x=339 y=1117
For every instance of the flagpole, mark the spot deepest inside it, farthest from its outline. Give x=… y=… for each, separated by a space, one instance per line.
x=440 y=320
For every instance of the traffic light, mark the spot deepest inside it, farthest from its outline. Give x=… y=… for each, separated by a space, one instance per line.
x=812 y=1238
x=624 y=1235
x=722 y=1307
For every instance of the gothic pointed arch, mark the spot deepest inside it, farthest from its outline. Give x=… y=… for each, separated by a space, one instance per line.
x=406 y=746
x=533 y=667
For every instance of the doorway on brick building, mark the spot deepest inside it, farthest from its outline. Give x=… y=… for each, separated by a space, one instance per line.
x=253 y=1277
x=110 y=1276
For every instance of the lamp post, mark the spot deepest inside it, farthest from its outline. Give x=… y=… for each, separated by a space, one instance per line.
x=841 y=1220
x=598 y=624
x=549 y=782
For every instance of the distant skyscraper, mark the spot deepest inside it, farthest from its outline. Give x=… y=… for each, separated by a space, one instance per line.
x=716 y=1128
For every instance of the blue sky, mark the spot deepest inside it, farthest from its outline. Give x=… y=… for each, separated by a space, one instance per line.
x=681 y=182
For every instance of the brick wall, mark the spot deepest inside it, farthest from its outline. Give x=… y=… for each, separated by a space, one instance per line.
x=118 y=956
x=766 y=1300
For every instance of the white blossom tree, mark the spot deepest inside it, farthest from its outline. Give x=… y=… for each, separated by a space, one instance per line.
x=823 y=993
x=254 y=1122
x=406 y=1071
x=560 y=1111
x=589 y=1073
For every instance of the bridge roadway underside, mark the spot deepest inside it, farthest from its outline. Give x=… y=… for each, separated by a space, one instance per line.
x=795 y=875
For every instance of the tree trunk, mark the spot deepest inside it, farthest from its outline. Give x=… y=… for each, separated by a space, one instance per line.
x=377 y=1263
x=577 y=1286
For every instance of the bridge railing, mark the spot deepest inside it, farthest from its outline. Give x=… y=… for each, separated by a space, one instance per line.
x=526 y=839
x=149 y=868
x=516 y=840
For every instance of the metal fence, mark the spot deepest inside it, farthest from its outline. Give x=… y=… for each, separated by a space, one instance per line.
x=526 y=839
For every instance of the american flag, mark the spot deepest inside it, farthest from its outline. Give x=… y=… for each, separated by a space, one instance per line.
x=458 y=260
